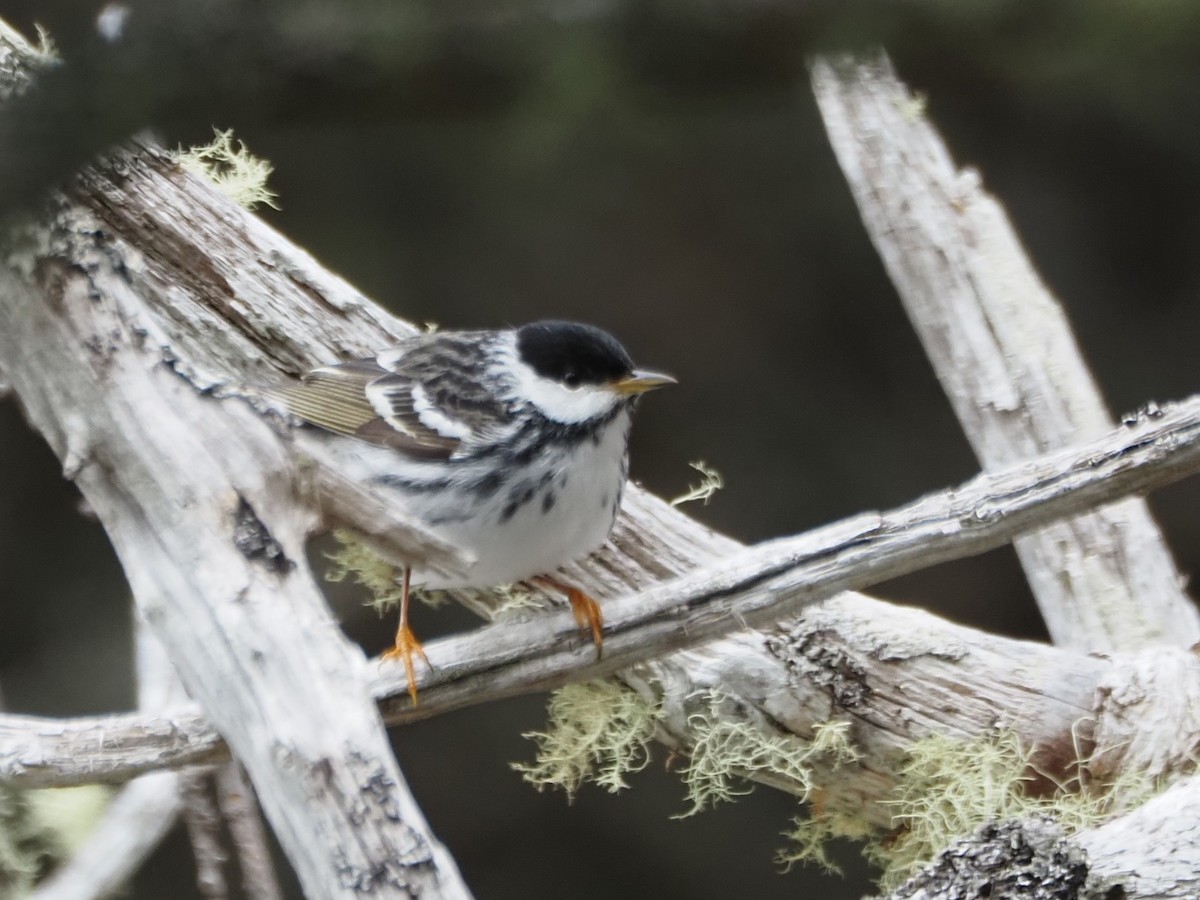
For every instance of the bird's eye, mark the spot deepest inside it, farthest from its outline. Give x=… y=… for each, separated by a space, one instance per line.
x=572 y=380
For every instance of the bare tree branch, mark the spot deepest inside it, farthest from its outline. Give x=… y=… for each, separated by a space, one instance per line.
x=203 y=822
x=1004 y=352
x=204 y=507
x=753 y=587
x=1151 y=851
x=240 y=809
x=139 y=817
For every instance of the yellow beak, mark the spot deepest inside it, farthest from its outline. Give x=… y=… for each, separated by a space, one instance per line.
x=642 y=380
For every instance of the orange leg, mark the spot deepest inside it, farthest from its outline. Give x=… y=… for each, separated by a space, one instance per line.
x=406 y=642
x=587 y=611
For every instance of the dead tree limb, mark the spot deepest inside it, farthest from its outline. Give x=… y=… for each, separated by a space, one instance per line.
x=1004 y=352
x=1041 y=693
x=208 y=513
x=139 y=816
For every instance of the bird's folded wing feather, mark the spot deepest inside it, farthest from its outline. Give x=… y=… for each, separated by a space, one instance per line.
x=416 y=405
x=340 y=399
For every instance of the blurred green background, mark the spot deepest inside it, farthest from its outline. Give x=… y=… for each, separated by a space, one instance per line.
x=658 y=169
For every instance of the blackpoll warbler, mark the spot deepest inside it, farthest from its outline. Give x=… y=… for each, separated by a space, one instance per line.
x=512 y=444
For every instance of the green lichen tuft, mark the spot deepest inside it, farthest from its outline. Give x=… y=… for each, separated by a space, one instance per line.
x=356 y=561
x=599 y=731
x=231 y=169
x=710 y=482
x=915 y=108
x=65 y=817
x=513 y=598
x=21 y=856
x=725 y=752
x=947 y=789
x=45 y=48
x=40 y=828
x=812 y=835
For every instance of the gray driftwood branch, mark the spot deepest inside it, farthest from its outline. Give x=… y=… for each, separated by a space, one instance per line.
x=1004 y=352
x=142 y=812
x=759 y=586
x=1105 y=580
x=203 y=501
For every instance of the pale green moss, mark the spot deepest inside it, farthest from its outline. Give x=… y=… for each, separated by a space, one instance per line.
x=66 y=816
x=230 y=168
x=599 y=731
x=1098 y=802
x=915 y=107
x=832 y=740
x=355 y=560
x=20 y=853
x=39 y=827
x=710 y=482
x=946 y=789
x=812 y=835
x=45 y=48
x=725 y=752
x=511 y=598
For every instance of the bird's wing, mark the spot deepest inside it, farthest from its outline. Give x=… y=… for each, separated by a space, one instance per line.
x=419 y=401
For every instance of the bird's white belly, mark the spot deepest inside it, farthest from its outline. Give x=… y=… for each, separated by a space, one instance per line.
x=533 y=541
x=557 y=510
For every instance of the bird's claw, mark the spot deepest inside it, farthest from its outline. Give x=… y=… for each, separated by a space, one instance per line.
x=405 y=648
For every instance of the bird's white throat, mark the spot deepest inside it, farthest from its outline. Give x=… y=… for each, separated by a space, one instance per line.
x=557 y=401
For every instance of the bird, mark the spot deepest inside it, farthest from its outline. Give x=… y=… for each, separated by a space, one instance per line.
x=513 y=444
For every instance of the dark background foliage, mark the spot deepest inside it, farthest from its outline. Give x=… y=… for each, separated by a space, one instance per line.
x=657 y=168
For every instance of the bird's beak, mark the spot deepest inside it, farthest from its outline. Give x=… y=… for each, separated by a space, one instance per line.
x=641 y=381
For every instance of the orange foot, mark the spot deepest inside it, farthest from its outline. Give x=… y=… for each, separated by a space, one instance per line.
x=587 y=611
x=405 y=648
x=406 y=642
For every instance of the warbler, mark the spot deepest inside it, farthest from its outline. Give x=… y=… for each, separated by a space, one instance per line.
x=512 y=444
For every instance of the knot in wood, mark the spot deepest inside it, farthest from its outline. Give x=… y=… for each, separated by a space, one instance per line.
x=255 y=542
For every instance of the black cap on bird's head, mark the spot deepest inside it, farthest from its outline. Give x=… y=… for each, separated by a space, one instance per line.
x=576 y=355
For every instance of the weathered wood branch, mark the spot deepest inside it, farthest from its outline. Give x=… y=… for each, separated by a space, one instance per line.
x=207 y=513
x=240 y=809
x=1004 y=352
x=203 y=823
x=763 y=584
x=139 y=816
x=215 y=581
x=1151 y=851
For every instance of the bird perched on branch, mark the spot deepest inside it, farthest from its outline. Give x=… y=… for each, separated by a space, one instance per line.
x=511 y=444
